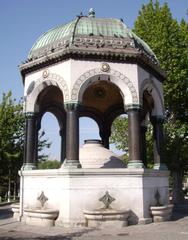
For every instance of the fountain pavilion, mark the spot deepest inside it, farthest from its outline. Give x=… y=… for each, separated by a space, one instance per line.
x=98 y=68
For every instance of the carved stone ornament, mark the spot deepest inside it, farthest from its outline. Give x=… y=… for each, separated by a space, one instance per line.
x=105 y=67
x=97 y=71
x=45 y=73
x=107 y=200
x=42 y=199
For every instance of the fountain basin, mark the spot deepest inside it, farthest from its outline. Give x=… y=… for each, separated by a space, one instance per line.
x=161 y=213
x=106 y=217
x=42 y=217
x=16 y=210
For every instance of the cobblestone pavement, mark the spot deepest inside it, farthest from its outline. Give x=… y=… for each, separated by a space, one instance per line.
x=177 y=229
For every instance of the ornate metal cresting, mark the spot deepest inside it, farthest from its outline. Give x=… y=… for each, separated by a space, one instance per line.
x=107 y=200
x=42 y=199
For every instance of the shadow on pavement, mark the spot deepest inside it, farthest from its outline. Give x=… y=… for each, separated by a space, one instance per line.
x=16 y=235
x=179 y=211
x=5 y=212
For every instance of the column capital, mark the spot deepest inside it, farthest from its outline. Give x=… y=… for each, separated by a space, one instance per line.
x=71 y=106
x=31 y=115
x=129 y=107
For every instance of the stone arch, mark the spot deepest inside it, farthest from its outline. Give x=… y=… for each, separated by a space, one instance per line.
x=148 y=84
x=121 y=81
x=51 y=80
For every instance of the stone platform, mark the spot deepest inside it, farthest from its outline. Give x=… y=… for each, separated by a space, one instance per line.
x=71 y=191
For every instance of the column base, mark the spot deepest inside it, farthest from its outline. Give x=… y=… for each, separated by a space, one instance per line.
x=29 y=166
x=160 y=166
x=135 y=164
x=71 y=164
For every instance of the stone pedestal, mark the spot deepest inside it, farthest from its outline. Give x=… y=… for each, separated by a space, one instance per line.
x=16 y=210
x=71 y=191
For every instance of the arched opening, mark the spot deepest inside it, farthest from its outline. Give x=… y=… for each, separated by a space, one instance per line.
x=52 y=120
x=102 y=101
x=49 y=96
x=147 y=129
x=49 y=156
x=119 y=137
x=102 y=96
x=88 y=129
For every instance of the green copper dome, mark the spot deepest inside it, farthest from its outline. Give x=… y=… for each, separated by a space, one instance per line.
x=83 y=26
x=90 y=35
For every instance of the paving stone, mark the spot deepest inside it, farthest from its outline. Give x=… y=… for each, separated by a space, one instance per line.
x=172 y=230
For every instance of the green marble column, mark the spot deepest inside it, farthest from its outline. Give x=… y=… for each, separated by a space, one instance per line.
x=31 y=142
x=158 y=142
x=134 y=137
x=72 y=136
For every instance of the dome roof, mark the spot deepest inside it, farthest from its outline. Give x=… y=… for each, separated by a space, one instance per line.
x=88 y=37
x=91 y=34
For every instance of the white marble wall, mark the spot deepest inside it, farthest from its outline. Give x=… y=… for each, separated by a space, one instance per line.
x=72 y=77
x=72 y=191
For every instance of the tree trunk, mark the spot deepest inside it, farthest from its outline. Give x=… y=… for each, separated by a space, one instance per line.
x=177 y=192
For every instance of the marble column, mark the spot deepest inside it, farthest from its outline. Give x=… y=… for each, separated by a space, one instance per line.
x=72 y=136
x=144 y=145
x=31 y=142
x=62 y=134
x=134 y=137
x=158 y=142
x=105 y=135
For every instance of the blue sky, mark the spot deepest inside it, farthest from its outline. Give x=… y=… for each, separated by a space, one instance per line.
x=23 y=21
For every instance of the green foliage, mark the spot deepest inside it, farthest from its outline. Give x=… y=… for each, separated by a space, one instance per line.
x=119 y=134
x=49 y=164
x=169 y=41
x=12 y=130
x=11 y=139
x=42 y=143
x=176 y=145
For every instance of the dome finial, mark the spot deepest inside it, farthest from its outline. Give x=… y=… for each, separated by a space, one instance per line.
x=91 y=13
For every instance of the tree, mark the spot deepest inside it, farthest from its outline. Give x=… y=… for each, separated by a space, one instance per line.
x=166 y=37
x=121 y=140
x=12 y=125
x=169 y=41
x=49 y=164
x=11 y=139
